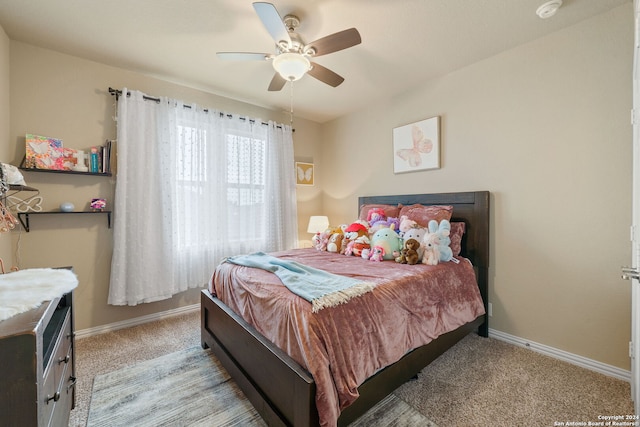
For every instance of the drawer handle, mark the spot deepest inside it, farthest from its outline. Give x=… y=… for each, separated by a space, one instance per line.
x=73 y=383
x=55 y=397
x=64 y=359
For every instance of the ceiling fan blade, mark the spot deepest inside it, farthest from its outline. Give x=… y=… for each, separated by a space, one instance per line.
x=272 y=21
x=243 y=56
x=277 y=83
x=325 y=75
x=335 y=42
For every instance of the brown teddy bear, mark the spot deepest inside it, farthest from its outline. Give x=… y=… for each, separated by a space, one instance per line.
x=411 y=251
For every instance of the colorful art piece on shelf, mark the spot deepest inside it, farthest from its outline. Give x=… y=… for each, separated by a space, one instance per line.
x=47 y=153
x=43 y=152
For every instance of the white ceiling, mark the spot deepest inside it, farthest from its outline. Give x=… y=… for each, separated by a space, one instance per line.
x=404 y=42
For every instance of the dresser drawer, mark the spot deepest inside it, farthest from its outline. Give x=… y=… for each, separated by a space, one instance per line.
x=57 y=372
x=37 y=385
x=61 y=408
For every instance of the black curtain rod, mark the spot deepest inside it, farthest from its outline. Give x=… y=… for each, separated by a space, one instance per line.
x=117 y=93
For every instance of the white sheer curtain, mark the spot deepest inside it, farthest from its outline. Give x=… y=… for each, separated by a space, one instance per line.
x=193 y=187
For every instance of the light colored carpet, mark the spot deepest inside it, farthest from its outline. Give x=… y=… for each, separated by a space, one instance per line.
x=191 y=388
x=479 y=382
x=487 y=382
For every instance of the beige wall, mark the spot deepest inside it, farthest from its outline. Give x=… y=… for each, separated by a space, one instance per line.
x=544 y=127
x=67 y=97
x=5 y=239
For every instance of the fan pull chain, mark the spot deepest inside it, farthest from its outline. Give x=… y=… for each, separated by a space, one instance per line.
x=291 y=104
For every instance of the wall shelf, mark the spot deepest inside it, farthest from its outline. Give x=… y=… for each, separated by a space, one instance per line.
x=65 y=172
x=23 y=167
x=17 y=188
x=24 y=216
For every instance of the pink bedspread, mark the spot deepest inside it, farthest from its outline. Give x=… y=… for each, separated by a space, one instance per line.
x=342 y=346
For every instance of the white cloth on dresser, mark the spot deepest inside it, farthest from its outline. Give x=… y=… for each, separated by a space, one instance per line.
x=24 y=290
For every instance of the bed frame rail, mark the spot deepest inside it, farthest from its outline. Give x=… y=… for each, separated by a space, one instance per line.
x=276 y=385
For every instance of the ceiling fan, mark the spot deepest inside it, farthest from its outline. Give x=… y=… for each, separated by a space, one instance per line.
x=292 y=59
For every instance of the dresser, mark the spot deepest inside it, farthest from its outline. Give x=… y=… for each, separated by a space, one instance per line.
x=37 y=384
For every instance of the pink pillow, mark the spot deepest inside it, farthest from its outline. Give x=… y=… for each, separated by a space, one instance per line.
x=423 y=214
x=391 y=211
x=457 y=231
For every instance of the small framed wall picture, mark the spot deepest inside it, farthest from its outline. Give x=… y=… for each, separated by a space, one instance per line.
x=416 y=146
x=304 y=173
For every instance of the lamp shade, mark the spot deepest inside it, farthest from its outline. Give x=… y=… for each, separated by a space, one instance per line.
x=291 y=66
x=317 y=224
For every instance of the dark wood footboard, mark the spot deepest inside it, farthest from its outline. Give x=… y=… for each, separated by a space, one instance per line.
x=282 y=391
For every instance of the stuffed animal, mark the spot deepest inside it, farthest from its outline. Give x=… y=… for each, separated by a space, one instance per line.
x=409 y=253
x=416 y=232
x=343 y=246
x=334 y=230
x=388 y=239
x=348 y=248
x=335 y=243
x=411 y=247
x=321 y=240
x=355 y=230
x=376 y=253
x=406 y=224
x=443 y=231
x=384 y=224
x=359 y=245
x=357 y=233
x=315 y=240
x=375 y=215
x=431 y=245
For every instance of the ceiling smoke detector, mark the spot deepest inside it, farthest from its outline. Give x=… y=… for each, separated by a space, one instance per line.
x=549 y=9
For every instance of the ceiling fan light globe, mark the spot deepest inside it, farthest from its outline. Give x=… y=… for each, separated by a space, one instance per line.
x=291 y=66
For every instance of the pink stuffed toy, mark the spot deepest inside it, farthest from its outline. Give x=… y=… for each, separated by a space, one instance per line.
x=377 y=254
x=375 y=215
x=348 y=249
x=406 y=224
x=320 y=241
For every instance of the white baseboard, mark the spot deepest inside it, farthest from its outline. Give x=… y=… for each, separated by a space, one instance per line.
x=574 y=359
x=136 y=321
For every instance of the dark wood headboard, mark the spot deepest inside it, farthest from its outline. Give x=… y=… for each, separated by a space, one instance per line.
x=471 y=207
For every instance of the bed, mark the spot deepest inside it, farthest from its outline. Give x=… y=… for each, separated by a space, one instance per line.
x=282 y=390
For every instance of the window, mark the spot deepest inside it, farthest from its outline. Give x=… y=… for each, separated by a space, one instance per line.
x=246 y=186
x=245 y=183
x=195 y=186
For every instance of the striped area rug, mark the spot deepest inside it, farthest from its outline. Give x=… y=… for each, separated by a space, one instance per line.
x=191 y=388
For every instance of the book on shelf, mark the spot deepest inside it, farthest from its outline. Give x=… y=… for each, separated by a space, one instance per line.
x=101 y=159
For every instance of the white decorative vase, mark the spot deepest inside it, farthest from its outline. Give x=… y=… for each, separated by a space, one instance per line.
x=67 y=207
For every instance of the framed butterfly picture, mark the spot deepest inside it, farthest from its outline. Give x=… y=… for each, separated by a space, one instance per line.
x=416 y=146
x=304 y=173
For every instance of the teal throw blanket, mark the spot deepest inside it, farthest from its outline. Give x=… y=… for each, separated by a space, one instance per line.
x=321 y=288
